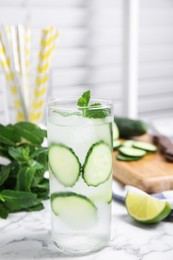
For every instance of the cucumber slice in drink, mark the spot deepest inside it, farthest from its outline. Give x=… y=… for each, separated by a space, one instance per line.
x=98 y=164
x=121 y=157
x=145 y=146
x=103 y=193
x=75 y=210
x=64 y=164
x=133 y=152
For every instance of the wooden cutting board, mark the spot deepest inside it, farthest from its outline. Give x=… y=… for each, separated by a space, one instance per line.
x=151 y=173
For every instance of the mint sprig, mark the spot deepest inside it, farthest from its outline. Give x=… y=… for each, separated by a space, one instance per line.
x=88 y=111
x=22 y=182
x=83 y=101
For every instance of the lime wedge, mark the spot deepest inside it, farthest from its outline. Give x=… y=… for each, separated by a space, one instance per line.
x=146 y=209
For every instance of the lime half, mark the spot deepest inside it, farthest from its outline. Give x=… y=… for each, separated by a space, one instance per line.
x=145 y=208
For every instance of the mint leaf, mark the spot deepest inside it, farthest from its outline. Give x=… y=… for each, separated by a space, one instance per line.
x=3 y=211
x=26 y=175
x=17 y=200
x=8 y=135
x=37 y=207
x=22 y=182
x=20 y=154
x=30 y=132
x=4 y=174
x=89 y=112
x=95 y=105
x=83 y=101
x=97 y=113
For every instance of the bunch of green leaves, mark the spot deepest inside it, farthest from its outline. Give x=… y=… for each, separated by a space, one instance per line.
x=22 y=182
x=94 y=110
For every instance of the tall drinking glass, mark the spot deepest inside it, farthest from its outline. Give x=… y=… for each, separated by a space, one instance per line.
x=80 y=166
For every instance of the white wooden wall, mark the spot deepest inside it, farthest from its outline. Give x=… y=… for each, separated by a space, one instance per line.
x=90 y=50
x=156 y=58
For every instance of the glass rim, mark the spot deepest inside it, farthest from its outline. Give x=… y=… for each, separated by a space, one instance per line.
x=61 y=103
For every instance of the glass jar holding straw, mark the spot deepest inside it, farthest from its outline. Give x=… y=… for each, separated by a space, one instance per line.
x=15 y=57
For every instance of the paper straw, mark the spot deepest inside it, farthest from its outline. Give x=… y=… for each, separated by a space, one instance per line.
x=15 y=48
x=23 y=71
x=8 y=32
x=47 y=47
x=28 y=61
x=28 y=49
x=11 y=74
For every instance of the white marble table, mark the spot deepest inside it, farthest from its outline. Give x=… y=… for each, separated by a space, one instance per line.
x=27 y=236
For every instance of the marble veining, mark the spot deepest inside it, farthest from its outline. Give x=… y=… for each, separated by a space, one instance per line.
x=27 y=236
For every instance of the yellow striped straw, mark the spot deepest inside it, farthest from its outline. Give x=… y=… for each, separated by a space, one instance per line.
x=47 y=47
x=28 y=47
x=5 y=62
x=8 y=64
x=8 y=32
x=28 y=53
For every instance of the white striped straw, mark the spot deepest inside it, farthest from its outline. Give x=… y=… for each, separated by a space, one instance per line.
x=15 y=48
x=12 y=68
x=21 y=39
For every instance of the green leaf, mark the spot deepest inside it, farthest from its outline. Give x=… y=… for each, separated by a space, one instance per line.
x=4 y=174
x=3 y=211
x=37 y=207
x=39 y=152
x=4 y=151
x=8 y=135
x=96 y=105
x=44 y=185
x=35 y=165
x=89 y=112
x=83 y=101
x=20 y=154
x=98 y=113
x=24 y=178
x=31 y=132
x=17 y=200
x=42 y=194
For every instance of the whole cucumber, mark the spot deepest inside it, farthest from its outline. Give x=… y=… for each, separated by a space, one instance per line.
x=130 y=127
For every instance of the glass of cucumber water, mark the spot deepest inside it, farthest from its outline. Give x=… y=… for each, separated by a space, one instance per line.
x=80 y=166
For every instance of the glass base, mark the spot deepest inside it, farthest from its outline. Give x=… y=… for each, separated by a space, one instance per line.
x=81 y=245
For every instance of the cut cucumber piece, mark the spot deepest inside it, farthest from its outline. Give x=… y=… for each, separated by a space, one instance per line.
x=128 y=143
x=115 y=131
x=116 y=144
x=98 y=164
x=145 y=146
x=133 y=152
x=121 y=157
x=75 y=210
x=104 y=192
x=64 y=164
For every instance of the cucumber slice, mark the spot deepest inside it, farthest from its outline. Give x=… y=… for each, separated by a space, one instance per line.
x=64 y=164
x=98 y=164
x=103 y=193
x=128 y=143
x=121 y=157
x=116 y=144
x=133 y=152
x=145 y=146
x=75 y=210
x=115 y=131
